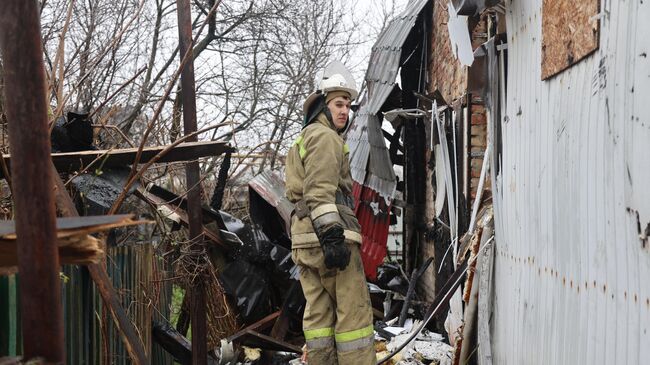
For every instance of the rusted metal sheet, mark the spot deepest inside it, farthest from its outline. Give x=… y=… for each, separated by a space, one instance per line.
x=570 y=268
x=26 y=110
x=74 y=161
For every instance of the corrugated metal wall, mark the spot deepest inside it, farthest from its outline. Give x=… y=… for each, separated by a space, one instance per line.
x=130 y=269
x=571 y=272
x=10 y=331
x=141 y=279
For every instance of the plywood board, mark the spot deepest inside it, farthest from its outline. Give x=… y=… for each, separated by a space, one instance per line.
x=570 y=32
x=187 y=151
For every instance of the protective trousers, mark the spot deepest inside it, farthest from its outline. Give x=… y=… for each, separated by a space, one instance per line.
x=338 y=315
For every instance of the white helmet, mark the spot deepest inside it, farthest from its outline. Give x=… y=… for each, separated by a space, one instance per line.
x=338 y=82
x=335 y=78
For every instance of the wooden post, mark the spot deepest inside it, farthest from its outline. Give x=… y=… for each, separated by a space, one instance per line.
x=29 y=139
x=192 y=172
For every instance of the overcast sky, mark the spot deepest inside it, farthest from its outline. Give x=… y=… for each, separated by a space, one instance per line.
x=370 y=14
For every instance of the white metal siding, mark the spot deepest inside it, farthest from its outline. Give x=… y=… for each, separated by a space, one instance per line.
x=572 y=281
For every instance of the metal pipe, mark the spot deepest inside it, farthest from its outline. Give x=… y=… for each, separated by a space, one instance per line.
x=192 y=172
x=29 y=138
x=407 y=300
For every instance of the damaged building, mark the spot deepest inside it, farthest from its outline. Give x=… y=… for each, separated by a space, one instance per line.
x=503 y=142
x=521 y=130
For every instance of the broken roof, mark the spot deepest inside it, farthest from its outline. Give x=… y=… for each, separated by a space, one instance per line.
x=369 y=159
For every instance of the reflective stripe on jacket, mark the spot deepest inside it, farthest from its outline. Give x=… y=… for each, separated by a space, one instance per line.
x=318 y=166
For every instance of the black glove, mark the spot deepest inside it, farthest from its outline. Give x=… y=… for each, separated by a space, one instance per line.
x=336 y=252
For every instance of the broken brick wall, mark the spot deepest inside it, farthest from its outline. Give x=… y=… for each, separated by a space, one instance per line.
x=478 y=144
x=446 y=74
x=450 y=78
x=478 y=118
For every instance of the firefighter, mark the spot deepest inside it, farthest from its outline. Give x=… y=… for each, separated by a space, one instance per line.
x=325 y=233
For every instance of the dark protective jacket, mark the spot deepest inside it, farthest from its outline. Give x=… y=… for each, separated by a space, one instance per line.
x=318 y=177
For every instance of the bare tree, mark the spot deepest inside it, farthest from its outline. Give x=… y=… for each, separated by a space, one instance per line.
x=255 y=62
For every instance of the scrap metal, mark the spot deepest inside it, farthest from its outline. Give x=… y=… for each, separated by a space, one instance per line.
x=269 y=187
x=156 y=201
x=370 y=164
x=411 y=291
x=441 y=300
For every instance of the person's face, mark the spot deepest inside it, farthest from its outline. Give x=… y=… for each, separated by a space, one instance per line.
x=340 y=109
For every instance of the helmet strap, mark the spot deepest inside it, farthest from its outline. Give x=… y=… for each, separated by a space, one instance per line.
x=328 y=114
x=315 y=109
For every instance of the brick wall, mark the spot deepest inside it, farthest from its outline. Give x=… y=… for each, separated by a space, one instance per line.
x=478 y=145
x=450 y=78
x=478 y=118
x=447 y=74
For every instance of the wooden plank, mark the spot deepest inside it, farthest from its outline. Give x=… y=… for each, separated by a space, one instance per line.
x=255 y=339
x=173 y=342
x=484 y=266
x=74 y=161
x=76 y=225
x=570 y=33
x=74 y=242
x=176 y=344
x=125 y=327
x=484 y=271
x=260 y=325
